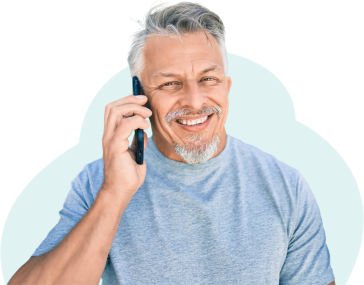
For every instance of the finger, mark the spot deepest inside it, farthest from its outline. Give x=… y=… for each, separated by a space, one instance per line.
x=130 y=99
x=133 y=143
x=132 y=149
x=145 y=140
x=120 y=112
x=128 y=125
x=132 y=152
x=128 y=110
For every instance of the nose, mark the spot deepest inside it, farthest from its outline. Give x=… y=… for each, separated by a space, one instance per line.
x=193 y=97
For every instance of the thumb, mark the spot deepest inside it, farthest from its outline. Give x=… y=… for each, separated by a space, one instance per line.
x=133 y=143
x=145 y=140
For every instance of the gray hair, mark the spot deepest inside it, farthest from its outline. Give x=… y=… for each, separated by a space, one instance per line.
x=175 y=20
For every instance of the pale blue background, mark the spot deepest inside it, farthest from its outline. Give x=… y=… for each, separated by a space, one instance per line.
x=261 y=113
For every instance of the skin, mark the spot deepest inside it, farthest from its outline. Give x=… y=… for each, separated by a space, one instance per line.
x=189 y=92
x=191 y=76
x=174 y=78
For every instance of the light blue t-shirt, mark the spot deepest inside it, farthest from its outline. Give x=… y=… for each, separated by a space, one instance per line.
x=242 y=217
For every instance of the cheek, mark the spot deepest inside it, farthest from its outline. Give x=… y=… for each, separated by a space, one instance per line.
x=154 y=119
x=162 y=108
x=225 y=107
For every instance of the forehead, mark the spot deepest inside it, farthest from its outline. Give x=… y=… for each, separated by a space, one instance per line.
x=194 y=53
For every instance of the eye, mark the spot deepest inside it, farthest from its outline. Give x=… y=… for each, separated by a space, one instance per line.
x=170 y=86
x=208 y=79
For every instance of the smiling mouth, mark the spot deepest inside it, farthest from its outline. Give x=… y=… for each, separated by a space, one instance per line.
x=194 y=125
x=193 y=122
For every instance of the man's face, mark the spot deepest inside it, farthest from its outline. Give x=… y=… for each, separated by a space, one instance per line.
x=185 y=83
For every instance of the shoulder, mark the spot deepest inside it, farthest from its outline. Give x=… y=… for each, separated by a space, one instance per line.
x=260 y=160
x=95 y=167
x=92 y=169
x=91 y=177
x=265 y=169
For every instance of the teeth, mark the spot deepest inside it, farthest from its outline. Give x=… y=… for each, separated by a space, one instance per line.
x=192 y=122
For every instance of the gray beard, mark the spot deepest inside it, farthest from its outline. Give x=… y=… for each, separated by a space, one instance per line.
x=197 y=151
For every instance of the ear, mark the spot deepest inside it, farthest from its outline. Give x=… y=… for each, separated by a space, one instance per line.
x=229 y=82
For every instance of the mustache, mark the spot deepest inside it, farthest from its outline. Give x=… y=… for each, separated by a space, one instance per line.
x=183 y=112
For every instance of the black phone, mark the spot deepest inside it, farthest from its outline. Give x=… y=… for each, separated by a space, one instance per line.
x=139 y=133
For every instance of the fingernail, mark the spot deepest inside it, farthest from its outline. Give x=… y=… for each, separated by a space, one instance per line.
x=146 y=109
x=140 y=96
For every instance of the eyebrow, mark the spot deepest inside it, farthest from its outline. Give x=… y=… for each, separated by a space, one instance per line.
x=170 y=74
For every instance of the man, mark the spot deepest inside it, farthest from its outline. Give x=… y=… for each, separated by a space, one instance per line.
x=204 y=207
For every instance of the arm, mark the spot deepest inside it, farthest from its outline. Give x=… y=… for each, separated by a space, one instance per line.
x=81 y=256
x=308 y=258
x=86 y=230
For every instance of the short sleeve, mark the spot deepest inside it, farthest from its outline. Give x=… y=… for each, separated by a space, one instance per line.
x=308 y=258
x=74 y=208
